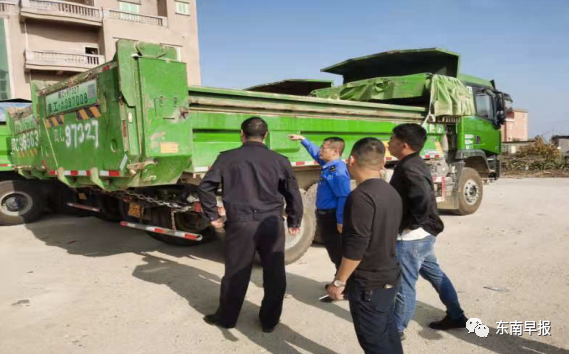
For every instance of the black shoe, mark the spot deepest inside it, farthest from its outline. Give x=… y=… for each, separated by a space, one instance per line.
x=402 y=336
x=449 y=323
x=268 y=329
x=214 y=321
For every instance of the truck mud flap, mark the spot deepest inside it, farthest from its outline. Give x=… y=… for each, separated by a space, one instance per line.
x=440 y=188
x=163 y=231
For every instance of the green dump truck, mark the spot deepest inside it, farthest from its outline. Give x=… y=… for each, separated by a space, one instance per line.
x=25 y=200
x=132 y=133
x=21 y=200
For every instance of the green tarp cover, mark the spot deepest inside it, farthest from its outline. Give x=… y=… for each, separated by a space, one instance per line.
x=450 y=97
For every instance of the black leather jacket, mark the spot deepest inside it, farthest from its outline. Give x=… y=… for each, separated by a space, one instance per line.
x=413 y=181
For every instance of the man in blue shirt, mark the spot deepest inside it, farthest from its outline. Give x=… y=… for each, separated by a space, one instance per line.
x=333 y=189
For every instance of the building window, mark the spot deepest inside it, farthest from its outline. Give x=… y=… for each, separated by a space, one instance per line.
x=129 y=7
x=92 y=50
x=182 y=8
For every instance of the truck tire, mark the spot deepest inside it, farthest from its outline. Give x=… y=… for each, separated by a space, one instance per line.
x=311 y=202
x=296 y=246
x=20 y=202
x=311 y=198
x=470 y=191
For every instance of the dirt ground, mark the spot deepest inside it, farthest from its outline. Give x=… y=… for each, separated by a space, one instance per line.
x=73 y=285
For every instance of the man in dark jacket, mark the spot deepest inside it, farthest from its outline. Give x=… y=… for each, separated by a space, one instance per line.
x=420 y=225
x=254 y=180
x=369 y=263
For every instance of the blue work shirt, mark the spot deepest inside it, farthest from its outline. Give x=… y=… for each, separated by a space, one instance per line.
x=334 y=182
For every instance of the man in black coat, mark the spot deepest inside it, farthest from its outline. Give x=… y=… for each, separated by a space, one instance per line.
x=418 y=230
x=369 y=268
x=255 y=181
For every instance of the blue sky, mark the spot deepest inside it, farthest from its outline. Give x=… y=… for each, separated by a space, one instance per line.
x=523 y=45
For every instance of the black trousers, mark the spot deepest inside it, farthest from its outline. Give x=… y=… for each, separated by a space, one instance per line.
x=242 y=239
x=372 y=313
x=328 y=226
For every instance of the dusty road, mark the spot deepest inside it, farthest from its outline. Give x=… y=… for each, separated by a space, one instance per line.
x=86 y=286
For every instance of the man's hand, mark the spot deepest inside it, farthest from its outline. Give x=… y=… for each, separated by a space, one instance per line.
x=296 y=137
x=294 y=230
x=340 y=227
x=335 y=292
x=218 y=224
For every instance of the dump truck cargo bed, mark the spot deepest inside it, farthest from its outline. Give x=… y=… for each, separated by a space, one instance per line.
x=133 y=123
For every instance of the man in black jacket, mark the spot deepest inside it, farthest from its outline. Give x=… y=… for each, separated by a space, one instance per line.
x=420 y=225
x=371 y=222
x=254 y=181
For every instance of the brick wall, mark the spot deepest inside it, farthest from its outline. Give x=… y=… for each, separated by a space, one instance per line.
x=516 y=126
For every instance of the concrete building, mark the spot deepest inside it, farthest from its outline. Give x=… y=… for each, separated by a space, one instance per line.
x=516 y=126
x=51 y=40
x=562 y=143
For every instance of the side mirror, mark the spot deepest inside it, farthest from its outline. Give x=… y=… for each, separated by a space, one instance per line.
x=501 y=109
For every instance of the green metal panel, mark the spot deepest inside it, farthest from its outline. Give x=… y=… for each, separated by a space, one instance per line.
x=398 y=63
x=476 y=133
x=469 y=79
x=167 y=133
x=489 y=136
x=4 y=148
x=25 y=143
x=6 y=141
x=216 y=131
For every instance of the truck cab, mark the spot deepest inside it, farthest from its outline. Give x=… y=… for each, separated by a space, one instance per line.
x=473 y=140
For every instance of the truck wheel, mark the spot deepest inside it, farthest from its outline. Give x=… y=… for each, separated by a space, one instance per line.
x=296 y=246
x=189 y=222
x=20 y=202
x=310 y=201
x=470 y=191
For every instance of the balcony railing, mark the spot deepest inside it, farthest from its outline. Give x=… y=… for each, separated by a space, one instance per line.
x=138 y=18
x=63 y=59
x=54 y=7
x=67 y=8
x=8 y=6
